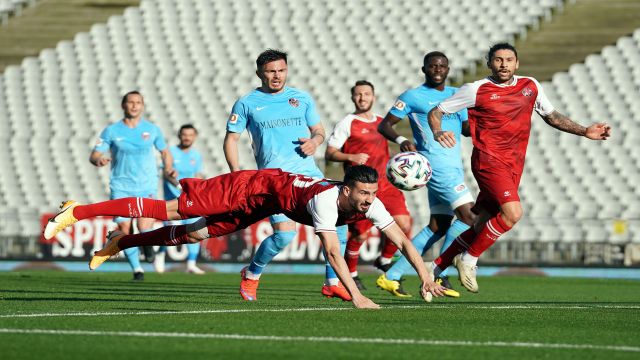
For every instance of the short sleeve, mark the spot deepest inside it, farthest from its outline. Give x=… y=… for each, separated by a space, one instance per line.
x=159 y=142
x=379 y=215
x=340 y=133
x=238 y=118
x=103 y=143
x=542 y=106
x=324 y=211
x=311 y=114
x=463 y=99
x=402 y=107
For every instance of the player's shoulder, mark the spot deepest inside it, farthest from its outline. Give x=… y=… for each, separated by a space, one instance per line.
x=450 y=90
x=249 y=97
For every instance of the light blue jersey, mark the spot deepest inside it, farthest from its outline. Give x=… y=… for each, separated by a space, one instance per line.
x=188 y=164
x=275 y=122
x=447 y=189
x=416 y=104
x=133 y=162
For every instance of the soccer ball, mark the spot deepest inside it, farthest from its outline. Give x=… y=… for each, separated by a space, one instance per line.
x=409 y=171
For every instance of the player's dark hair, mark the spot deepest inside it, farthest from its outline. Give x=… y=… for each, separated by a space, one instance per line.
x=433 y=54
x=134 y=92
x=362 y=83
x=360 y=173
x=187 y=126
x=270 y=55
x=500 y=46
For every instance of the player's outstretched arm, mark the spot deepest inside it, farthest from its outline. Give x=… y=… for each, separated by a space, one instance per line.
x=386 y=129
x=445 y=138
x=597 y=131
x=332 y=250
x=167 y=164
x=395 y=234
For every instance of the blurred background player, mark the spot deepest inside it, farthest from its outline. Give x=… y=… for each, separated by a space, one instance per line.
x=500 y=108
x=448 y=194
x=134 y=172
x=286 y=131
x=355 y=141
x=187 y=163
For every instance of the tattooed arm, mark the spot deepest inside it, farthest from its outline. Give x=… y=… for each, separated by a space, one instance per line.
x=598 y=131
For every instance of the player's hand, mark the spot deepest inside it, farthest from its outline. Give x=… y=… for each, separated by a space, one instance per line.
x=103 y=161
x=362 y=302
x=407 y=145
x=598 y=131
x=431 y=288
x=445 y=138
x=359 y=159
x=308 y=146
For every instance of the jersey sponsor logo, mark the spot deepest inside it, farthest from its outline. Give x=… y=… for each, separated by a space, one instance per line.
x=145 y=136
x=192 y=162
x=527 y=92
x=364 y=131
x=400 y=105
x=460 y=188
x=189 y=203
x=233 y=118
x=507 y=193
x=278 y=123
x=260 y=108
x=494 y=97
x=294 y=102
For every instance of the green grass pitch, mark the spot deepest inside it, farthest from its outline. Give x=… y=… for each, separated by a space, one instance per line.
x=61 y=315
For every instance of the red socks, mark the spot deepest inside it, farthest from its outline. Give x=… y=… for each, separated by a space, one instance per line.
x=460 y=244
x=488 y=236
x=352 y=254
x=131 y=207
x=389 y=249
x=168 y=236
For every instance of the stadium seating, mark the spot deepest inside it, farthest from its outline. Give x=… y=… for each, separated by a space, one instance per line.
x=191 y=59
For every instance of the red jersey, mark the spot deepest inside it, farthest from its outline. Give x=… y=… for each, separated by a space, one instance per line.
x=355 y=135
x=236 y=200
x=500 y=116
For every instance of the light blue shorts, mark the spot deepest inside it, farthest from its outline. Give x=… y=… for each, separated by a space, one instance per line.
x=447 y=191
x=117 y=194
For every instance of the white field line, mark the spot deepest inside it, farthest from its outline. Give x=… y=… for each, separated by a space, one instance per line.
x=323 y=339
x=311 y=309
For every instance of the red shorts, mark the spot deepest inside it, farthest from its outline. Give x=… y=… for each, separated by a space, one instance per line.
x=223 y=201
x=393 y=201
x=498 y=183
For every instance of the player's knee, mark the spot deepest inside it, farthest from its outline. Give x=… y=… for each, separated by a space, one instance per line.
x=512 y=215
x=360 y=238
x=283 y=238
x=468 y=217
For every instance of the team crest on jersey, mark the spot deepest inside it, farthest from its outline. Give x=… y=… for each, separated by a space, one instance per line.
x=507 y=193
x=527 y=92
x=294 y=102
x=99 y=142
x=192 y=162
x=399 y=105
x=364 y=131
x=233 y=118
x=145 y=136
x=494 y=97
x=460 y=188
